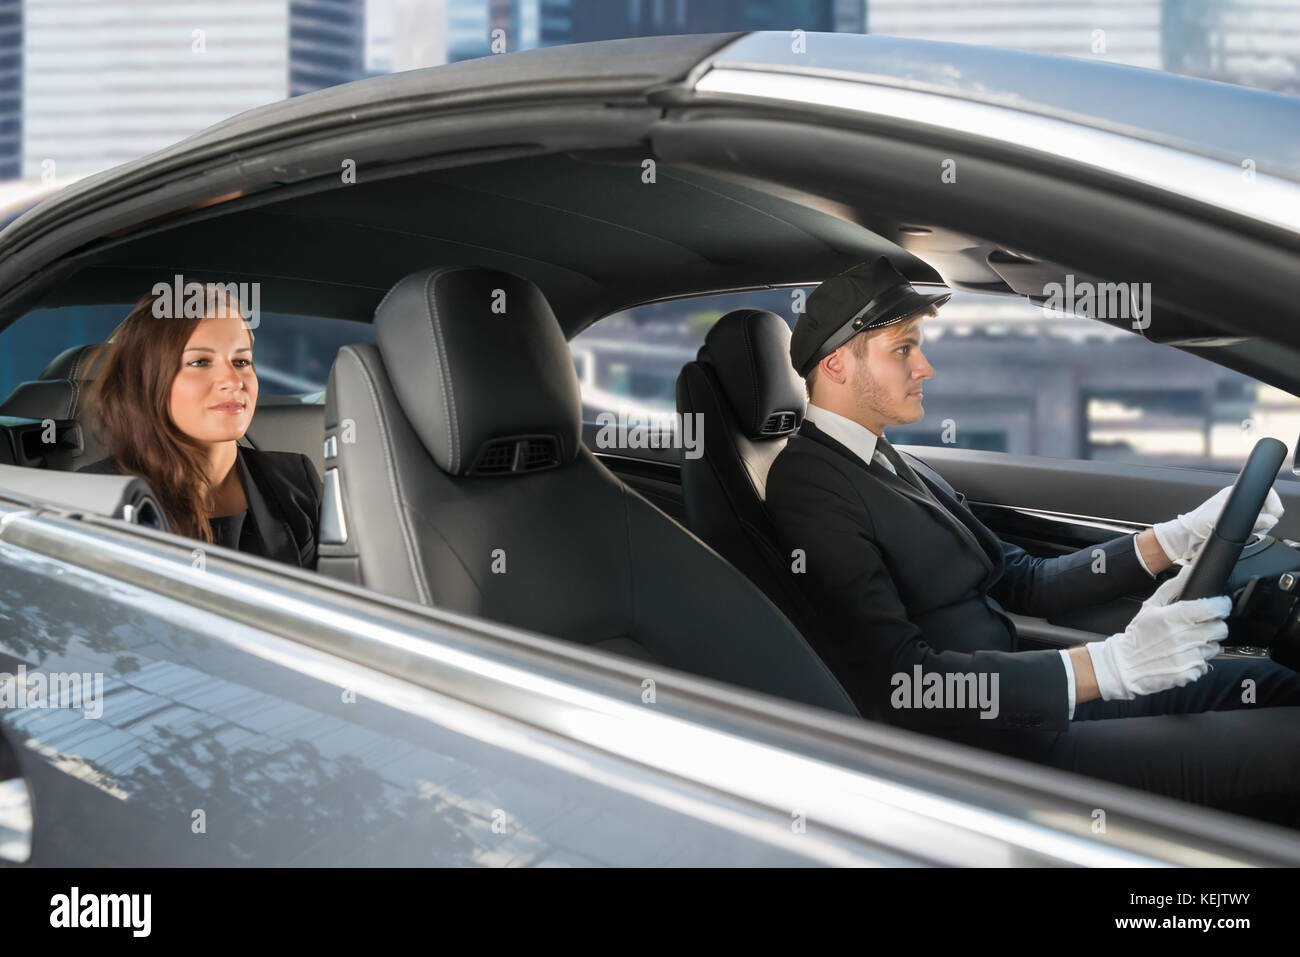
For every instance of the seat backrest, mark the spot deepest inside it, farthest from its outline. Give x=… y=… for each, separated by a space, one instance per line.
x=455 y=477
x=59 y=393
x=751 y=401
x=286 y=424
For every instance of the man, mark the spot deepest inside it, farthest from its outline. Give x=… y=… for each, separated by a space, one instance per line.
x=911 y=588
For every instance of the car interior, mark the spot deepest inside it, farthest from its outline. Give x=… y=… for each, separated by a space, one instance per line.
x=456 y=443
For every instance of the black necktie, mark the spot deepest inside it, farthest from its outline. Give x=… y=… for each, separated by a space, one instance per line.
x=904 y=470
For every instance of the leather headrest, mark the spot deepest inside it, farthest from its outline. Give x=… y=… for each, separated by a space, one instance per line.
x=75 y=364
x=481 y=369
x=749 y=350
x=42 y=399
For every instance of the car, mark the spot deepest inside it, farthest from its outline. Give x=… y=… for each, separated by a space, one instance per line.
x=399 y=707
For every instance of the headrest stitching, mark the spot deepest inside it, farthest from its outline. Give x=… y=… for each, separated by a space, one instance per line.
x=413 y=556
x=753 y=373
x=440 y=348
x=76 y=384
x=387 y=296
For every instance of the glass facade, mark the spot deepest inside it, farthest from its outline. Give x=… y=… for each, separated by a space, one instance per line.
x=11 y=89
x=325 y=47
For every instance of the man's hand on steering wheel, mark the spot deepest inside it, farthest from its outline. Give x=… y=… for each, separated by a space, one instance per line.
x=1168 y=644
x=1182 y=537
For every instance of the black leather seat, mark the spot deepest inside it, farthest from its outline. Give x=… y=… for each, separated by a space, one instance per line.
x=58 y=393
x=752 y=401
x=455 y=477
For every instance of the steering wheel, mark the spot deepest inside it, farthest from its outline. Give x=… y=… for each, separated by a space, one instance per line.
x=1213 y=565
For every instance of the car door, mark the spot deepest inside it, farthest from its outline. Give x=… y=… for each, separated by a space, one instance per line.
x=168 y=705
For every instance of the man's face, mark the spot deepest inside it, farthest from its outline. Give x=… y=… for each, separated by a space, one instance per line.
x=887 y=382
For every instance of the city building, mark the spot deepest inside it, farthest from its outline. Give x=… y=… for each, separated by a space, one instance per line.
x=1248 y=42
x=605 y=19
x=105 y=82
x=472 y=26
x=11 y=89
x=1117 y=31
x=1253 y=43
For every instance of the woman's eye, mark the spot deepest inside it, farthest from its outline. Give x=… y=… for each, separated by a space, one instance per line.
x=903 y=349
x=240 y=363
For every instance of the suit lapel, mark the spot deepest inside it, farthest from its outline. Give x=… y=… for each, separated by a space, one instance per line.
x=991 y=544
x=939 y=505
x=275 y=534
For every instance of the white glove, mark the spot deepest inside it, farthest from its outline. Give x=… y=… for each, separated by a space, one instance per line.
x=1183 y=537
x=1166 y=645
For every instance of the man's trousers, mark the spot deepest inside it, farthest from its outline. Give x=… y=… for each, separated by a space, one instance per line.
x=1230 y=740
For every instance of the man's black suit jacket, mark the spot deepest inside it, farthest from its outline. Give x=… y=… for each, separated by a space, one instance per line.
x=898 y=581
x=284 y=499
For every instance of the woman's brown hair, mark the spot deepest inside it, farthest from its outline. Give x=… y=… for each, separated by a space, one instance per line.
x=132 y=398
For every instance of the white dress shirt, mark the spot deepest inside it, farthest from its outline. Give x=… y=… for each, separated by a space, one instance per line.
x=861 y=441
x=858 y=439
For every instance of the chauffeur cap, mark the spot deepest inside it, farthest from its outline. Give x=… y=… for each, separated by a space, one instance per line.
x=868 y=296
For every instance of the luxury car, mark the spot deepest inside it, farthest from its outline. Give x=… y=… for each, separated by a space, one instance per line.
x=632 y=691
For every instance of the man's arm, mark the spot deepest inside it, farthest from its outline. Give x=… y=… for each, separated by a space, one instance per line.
x=1090 y=576
x=1022 y=582
x=1040 y=586
x=1085 y=677
x=1153 y=556
x=867 y=639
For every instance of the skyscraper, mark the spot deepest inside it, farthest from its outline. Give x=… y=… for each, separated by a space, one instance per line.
x=104 y=83
x=524 y=25
x=1254 y=44
x=326 y=43
x=1118 y=31
x=604 y=19
x=11 y=88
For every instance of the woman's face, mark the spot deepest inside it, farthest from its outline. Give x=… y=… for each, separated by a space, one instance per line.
x=215 y=390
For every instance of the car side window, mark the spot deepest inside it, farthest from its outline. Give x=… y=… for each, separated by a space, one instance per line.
x=292 y=353
x=1009 y=377
x=627 y=365
x=1013 y=377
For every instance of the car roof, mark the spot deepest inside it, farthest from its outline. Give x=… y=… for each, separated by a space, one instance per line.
x=1220 y=120
x=579 y=223
x=587 y=230
x=629 y=65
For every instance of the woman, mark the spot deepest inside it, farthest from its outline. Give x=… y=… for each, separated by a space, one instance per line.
x=174 y=396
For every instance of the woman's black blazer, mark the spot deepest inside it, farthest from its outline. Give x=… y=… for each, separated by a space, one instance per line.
x=284 y=496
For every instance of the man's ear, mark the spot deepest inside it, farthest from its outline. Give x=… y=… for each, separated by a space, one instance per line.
x=833 y=367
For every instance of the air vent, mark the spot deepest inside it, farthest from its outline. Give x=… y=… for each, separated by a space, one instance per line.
x=496 y=457
x=779 y=423
x=520 y=453
x=145 y=511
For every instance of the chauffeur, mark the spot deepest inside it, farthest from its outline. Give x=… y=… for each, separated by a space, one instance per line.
x=910 y=586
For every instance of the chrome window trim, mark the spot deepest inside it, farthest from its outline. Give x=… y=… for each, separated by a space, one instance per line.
x=868 y=790
x=1266 y=199
x=1066 y=518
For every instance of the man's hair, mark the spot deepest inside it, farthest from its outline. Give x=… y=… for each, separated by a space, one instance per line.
x=858 y=344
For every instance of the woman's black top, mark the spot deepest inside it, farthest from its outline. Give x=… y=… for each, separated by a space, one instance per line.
x=233 y=531
x=282 y=521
